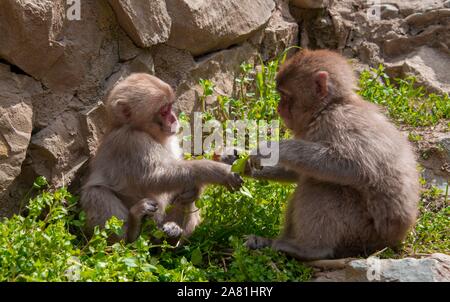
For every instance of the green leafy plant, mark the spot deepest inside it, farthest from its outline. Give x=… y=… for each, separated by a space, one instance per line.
x=405 y=102
x=45 y=242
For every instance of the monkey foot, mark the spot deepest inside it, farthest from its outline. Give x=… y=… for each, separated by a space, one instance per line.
x=329 y=264
x=172 y=230
x=256 y=242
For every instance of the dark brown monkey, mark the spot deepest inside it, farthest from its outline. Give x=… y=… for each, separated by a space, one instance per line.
x=357 y=180
x=138 y=169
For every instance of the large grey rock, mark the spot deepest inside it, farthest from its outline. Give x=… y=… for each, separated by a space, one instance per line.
x=88 y=58
x=16 y=93
x=409 y=38
x=146 y=21
x=62 y=53
x=48 y=105
x=93 y=122
x=127 y=49
x=32 y=34
x=55 y=149
x=221 y=68
x=415 y=6
x=430 y=28
x=142 y=63
x=389 y=11
x=203 y=26
x=59 y=150
x=425 y=18
x=430 y=66
x=172 y=65
x=182 y=72
x=430 y=269
x=280 y=33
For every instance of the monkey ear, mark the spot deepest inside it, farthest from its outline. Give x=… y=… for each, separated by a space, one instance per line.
x=123 y=110
x=321 y=83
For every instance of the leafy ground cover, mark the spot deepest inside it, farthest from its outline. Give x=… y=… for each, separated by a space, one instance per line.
x=45 y=241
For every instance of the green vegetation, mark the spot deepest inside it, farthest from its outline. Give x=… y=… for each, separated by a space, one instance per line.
x=255 y=97
x=412 y=137
x=45 y=242
x=405 y=102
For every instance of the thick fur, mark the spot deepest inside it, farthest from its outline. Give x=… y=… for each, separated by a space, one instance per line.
x=123 y=176
x=356 y=173
x=138 y=170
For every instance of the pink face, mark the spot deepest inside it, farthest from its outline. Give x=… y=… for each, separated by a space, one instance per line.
x=169 y=121
x=284 y=107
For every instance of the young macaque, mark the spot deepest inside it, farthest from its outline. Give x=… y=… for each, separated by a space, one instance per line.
x=138 y=169
x=357 y=183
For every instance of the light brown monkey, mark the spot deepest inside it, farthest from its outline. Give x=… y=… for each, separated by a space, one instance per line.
x=357 y=180
x=138 y=170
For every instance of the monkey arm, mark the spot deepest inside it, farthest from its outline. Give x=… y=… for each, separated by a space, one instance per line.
x=321 y=162
x=188 y=174
x=276 y=173
x=212 y=172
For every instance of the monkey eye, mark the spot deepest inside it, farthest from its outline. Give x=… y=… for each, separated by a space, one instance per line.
x=165 y=110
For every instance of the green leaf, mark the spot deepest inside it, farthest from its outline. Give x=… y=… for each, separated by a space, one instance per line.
x=245 y=192
x=40 y=183
x=199 y=203
x=239 y=165
x=130 y=262
x=196 y=257
x=158 y=234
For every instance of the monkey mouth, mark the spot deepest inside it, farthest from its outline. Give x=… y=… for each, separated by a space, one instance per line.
x=173 y=129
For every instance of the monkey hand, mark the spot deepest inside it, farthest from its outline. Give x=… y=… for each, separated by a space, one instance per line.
x=232 y=158
x=228 y=157
x=144 y=207
x=233 y=181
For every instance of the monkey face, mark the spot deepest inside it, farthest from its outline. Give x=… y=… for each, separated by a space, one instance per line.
x=301 y=95
x=145 y=103
x=285 y=107
x=167 y=120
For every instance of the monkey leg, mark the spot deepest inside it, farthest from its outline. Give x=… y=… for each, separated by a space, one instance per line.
x=191 y=219
x=137 y=212
x=257 y=242
x=100 y=204
x=330 y=264
x=187 y=197
x=180 y=222
x=301 y=253
x=288 y=247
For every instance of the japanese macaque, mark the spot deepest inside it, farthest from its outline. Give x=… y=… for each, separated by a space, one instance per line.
x=138 y=169
x=357 y=181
